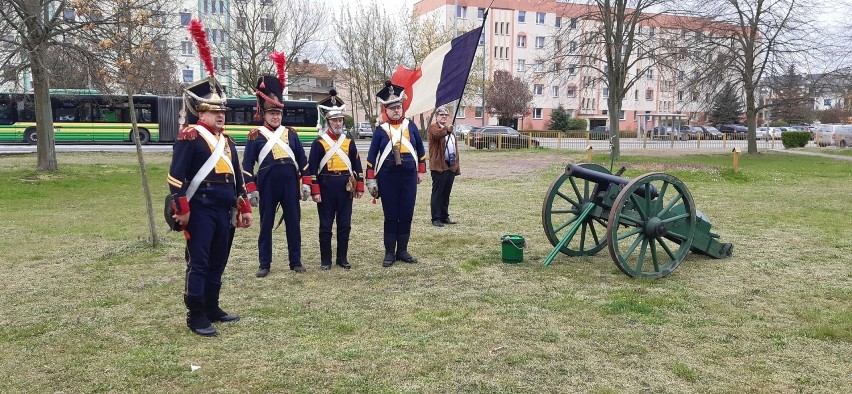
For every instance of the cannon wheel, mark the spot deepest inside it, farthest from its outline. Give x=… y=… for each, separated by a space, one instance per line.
x=563 y=203
x=650 y=237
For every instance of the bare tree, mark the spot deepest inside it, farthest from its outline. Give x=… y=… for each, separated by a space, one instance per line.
x=258 y=27
x=600 y=41
x=370 y=42
x=131 y=37
x=35 y=26
x=508 y=97
x=754 y=39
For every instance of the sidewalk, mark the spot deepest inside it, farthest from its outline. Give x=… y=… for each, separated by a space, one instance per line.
x=807 y=153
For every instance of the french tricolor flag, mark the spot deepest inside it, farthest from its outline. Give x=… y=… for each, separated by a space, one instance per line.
x=442 y=76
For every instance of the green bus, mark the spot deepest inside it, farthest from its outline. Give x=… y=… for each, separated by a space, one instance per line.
x=86 y=116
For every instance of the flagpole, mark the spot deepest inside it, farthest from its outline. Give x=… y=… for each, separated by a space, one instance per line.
x=481 y=31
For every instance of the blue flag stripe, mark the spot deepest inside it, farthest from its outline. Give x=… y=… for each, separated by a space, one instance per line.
x=456 y=67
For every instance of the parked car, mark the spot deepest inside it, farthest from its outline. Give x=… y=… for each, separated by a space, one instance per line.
x=692 y=132
x=711 y=133
x=833 y=134
x=490 y=137
x=737 y=130
x=363 y=130
x=766 y=133
x=461 y=130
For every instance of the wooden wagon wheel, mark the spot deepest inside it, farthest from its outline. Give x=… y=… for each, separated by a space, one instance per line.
x=563 y=203
x=650 y=236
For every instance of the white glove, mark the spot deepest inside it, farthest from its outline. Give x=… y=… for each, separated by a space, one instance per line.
x=254 y=198
x=373 y=187
x=306 y=192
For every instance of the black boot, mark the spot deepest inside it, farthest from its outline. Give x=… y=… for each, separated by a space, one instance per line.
x=390 y=246
x=325 y=252
x=343 y=250
x=196 y=319
x=402 y=250
x=211 y=306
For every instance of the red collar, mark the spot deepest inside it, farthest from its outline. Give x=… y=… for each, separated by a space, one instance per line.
x=211 y=128
x=332 y=135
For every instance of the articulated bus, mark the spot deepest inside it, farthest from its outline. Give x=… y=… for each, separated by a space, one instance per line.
x=86 y=116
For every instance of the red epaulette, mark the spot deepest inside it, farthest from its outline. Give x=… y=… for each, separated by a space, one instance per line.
x=231 y=139
x=188 y=134
x=290 y=130
x=253 y=135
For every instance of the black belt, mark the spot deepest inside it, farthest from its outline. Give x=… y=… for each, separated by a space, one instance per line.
x=335 y=173
x=216 y=183
x=284 y=161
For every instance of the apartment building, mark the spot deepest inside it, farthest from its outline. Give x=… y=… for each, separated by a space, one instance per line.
x=519 y=37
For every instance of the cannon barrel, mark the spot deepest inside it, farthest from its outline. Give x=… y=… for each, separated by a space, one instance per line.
x=604 y=179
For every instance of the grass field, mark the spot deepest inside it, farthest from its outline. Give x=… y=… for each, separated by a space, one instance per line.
x=88 y=307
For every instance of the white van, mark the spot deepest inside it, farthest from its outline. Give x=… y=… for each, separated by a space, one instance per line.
x=833 y=134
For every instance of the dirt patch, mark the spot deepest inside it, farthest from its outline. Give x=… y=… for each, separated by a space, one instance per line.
x=512 y=165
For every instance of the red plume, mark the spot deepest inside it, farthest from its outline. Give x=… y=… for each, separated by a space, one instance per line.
x=200 y=38
x=280 y=62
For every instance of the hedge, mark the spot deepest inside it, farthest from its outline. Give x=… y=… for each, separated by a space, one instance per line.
x=795 y=139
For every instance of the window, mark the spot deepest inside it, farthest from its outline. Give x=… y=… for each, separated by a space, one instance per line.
x=694 y=96
x=539 y=18
x=681 y=75
x=480 y=13
x=68 y=14
x=605 y=92
x=482 y=38
x=649 y=74
x=477 y=112
x=536 y=113
x=572 y=46
x=241 y=23
x=266 y=25
x=185 y=17
x=539 y=66
x=680 y=95
x=522 y=41
x=461 y=12
x=539 y=42
x=537 y=89
x=636 y=95
x=649 y=95
x=569 y=91
x=187 y=76
x=651 y=31
x=558 y=21
x=827 y=102
x=558 y=45
x=572 y=69
x=621 y=115
x=186 y=48
x=461 y=112
x=555 y=91
x=521 y=65
x=573 y=23
x=522 y=17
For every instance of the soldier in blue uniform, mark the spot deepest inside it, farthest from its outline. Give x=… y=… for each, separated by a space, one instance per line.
x=396 y=164
x=335 y=168
x=281 y=162
x=209 y=201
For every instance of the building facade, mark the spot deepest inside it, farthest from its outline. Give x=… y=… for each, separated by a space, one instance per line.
x=520 y=37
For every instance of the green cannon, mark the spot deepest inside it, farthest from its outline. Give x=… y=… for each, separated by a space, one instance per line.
x=649 y=223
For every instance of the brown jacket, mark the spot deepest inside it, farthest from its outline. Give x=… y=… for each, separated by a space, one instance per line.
x=438 y=149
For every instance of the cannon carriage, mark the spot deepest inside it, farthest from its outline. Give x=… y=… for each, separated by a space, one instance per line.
x=648 y=224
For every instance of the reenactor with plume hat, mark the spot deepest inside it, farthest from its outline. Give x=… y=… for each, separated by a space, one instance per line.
x=281 y=163
x=208 y=197
x=335 y=168
x=396 y=164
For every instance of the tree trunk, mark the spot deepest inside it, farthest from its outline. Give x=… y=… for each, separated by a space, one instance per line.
x=751 y=121
x=614 y=107
x=143 y=174
x=46 y=147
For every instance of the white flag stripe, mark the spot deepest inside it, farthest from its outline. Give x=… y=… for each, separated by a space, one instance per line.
x=425 y=87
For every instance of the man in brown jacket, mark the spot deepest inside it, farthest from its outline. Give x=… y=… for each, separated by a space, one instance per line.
x=444 y=166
